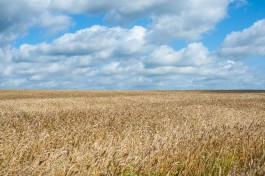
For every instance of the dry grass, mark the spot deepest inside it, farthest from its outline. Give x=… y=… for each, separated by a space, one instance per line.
x=132 y=133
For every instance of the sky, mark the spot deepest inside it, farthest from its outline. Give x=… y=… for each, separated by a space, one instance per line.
x=132 y=45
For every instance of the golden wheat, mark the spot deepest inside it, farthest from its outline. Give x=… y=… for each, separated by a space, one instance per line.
x=132 y=133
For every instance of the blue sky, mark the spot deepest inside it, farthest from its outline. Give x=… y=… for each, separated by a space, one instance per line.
x=151 y=44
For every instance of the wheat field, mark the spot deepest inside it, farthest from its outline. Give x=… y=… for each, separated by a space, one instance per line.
x=132 y=133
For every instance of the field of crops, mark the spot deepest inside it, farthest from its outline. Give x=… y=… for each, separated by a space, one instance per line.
x=132 y=132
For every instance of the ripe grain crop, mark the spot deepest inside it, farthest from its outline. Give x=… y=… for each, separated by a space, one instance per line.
x=132 y=132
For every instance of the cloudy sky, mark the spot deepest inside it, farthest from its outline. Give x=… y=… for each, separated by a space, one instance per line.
x=140 y=44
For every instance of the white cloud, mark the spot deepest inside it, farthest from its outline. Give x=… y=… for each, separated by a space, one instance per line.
x=18 y=16
x=100 y=57
x=194 y=55
x=53 y=23
x=189 y=22
x=6 y=67
x=97 y=41
x=166 y=19
x=249 y=42
x=169 y=19
x=62 y=63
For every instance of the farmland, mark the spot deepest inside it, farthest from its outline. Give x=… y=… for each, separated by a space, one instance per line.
x=132 y=132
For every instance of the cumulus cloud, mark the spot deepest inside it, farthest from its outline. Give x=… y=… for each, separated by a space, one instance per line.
x=189 y=22
x=249 y=42
x=126 y=61
x=97 y=42
x=139 y=57
x=195 y=54
x=18 y=16
x=166 y=20
x=169 y=20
